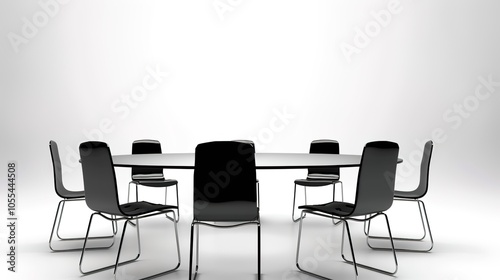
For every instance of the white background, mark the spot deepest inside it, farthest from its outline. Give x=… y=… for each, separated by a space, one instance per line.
x=234 y=74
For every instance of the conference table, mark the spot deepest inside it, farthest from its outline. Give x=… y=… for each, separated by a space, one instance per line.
x=262 y=160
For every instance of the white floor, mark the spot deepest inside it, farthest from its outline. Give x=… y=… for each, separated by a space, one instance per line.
x=462 y=222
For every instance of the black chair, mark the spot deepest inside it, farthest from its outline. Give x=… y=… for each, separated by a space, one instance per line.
x=150 y=176
x=257 y=180
x=374 y=195
x=101 y=196
x=320 y=176
x=225 y=192
x=415 y=196
x=66 y=196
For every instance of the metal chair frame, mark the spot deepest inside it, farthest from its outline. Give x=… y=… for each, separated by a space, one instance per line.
x=102 y=197
x=128 y=220
x=138 y=182
x=332 y=182
x=55 y=229
x=423 y=186
x=59 y=186
x=166 y=192
x=197 y=234
x=305 y=199
x=425 y=228
x=345 y=228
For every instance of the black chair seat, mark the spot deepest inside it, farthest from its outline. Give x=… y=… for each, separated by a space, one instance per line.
x=333 y=208
x=240 y=211
x=71 y=194
x=319 y=176
x=414 y=194
x=313 y=183
x=143 y=207
x=156 y=183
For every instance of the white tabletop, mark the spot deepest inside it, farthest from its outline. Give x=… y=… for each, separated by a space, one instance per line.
x=262 y=160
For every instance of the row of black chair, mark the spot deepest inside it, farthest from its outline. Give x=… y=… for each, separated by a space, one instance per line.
x=234 y=201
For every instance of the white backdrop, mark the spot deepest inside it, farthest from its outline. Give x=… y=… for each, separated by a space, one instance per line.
x=279 y=72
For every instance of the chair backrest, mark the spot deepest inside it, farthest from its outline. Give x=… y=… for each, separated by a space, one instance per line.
x=376 y=178
x=324 y=146
x=245 y=141
x=146 y=146
x=99 y=178
x=57 y=167
x=224 y=181
x=424 y=169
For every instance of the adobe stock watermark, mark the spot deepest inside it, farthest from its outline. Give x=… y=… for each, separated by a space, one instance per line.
x=471 y=103
x=31 y=26
x=122 y=108
x=223 y=7
x=363 y=37
x=454 y=117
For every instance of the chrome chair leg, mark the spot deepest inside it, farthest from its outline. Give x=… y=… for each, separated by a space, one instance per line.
x=258 y=251
x=136 y=192
x=341 y=195
x=117 y=262
x=177 y=200
x=62 y=203
x=119 y=249
x=115 y=226
x=178 y=252
x=197 y=245
x=57 y=224
x=353 y=262
x=298 y=253
x=367 y=266
x=128 y=198
x=115 y=266
x=128 y=192
x=191 y=276
x=294 y=202
x=293 y=205
x=258 y=194
x=425 y=223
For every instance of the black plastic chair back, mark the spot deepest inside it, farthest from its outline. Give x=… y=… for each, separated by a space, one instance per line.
x=324 y=147
x=425 y=166
x=57 y=167
x=376 y=178
x=99 y=178
x=146 y=147
x=224 y=182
